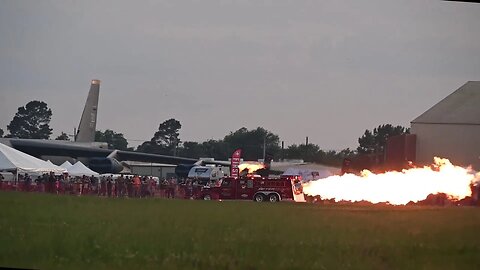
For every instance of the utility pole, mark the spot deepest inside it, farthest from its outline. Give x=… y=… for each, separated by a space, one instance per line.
x=264 y=146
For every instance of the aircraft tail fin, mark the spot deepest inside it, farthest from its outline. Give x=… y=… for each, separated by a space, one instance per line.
x=88 y=122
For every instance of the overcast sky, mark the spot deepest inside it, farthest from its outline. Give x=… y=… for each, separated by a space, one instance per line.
x=323 y=69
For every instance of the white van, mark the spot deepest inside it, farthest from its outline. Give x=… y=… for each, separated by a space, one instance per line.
x=206 y=173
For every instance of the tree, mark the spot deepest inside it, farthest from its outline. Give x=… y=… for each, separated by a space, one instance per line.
x=152 y=147
x=313 y=153
x=192 y=150
x=252 y=142
x=217 y=149
x=309 y=152
x=374 y=142
x=63 y=137
x=114 y=140
x=165 y=140
x=211 y=148
x=31 y=121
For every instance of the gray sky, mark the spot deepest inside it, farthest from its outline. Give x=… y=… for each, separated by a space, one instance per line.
x=323 y=69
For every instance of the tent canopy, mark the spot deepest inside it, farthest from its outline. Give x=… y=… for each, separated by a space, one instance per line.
x=78 y=169
x=12 y=159
x=66 y=164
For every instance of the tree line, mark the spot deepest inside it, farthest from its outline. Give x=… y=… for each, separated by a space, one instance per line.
x=32 y=122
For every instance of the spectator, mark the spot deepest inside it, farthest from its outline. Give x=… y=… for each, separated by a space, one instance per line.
x=129 y=186
x=51 y=182
x=1 y=181
x=109 y=186
x=120 y=185
x=57 y=184
x=27 y=181
x=152 y=186
x=163 y=188
x=103 y=186
x=93 y=184
x=171 y=188
x=136 y=186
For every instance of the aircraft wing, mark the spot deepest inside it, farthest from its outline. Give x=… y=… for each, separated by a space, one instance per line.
x=145 y=157
x=39 y=148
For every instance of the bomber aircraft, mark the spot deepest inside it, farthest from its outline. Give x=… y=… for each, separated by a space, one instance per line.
x=100 y=158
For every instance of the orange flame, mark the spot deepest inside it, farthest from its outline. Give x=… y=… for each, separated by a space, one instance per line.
x=251 y=167
x=397 y=188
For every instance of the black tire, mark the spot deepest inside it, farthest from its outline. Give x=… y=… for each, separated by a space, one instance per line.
x=207 y=197
x=259 y=197
x=273 y=198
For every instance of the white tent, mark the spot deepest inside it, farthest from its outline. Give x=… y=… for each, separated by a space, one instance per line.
x=49 y=162
x=78 y=169
x=14 y=160
x=66 y=164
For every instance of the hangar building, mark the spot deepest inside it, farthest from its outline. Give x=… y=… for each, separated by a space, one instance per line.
x=451 y=128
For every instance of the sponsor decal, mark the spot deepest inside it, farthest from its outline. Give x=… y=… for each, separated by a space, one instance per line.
x=235 y=161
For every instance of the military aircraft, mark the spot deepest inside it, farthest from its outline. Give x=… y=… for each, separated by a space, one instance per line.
x=97 y=154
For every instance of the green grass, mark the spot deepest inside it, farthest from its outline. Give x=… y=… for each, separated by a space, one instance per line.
x=56 y=232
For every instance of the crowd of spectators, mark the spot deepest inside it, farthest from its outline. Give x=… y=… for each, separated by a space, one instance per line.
x=119 y=186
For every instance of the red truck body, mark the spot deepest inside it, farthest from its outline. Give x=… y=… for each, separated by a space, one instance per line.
x=253 y=188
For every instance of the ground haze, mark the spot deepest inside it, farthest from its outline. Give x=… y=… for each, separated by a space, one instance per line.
x=48 y=231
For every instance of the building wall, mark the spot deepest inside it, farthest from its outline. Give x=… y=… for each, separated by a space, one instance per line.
x=158 y=171
x=459 y=143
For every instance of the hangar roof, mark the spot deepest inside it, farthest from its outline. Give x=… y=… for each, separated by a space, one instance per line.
x=460 y=107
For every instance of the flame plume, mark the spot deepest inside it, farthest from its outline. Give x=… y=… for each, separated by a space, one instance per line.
x=251 y=167
x=397 y=188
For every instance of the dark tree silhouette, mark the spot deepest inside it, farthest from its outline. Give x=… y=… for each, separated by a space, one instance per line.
x=165 y=140
x=374 y=142
x=114 y=140
x=192 y=150
x=31 y=121
x=63 y=137
x=313 y=153
x=252 y=142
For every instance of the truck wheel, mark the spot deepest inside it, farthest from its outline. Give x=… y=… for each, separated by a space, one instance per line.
x=273 y=197
x=259 y=197
x=207 y=197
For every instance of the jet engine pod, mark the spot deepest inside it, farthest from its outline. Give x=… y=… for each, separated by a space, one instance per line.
x=182 y=170
x=105 y=165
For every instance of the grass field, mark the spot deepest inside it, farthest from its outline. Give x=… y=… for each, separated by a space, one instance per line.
x=56 y=232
